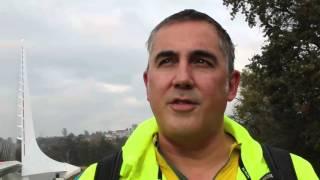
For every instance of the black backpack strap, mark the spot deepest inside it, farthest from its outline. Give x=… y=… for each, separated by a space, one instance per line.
x=279 y=162
x=109 y=168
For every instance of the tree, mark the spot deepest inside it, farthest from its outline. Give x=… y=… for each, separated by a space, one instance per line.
x=7 y=149
x=280 y=89
x=86 y=133
x=64 y=132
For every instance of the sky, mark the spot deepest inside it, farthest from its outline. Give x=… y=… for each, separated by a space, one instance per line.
x=85 y=59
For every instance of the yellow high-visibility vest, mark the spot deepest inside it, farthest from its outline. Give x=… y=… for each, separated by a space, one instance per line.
x=140 y=163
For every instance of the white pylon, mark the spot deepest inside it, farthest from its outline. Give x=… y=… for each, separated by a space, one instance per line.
x=34 y=161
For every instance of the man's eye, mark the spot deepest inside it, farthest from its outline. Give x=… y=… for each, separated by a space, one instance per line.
x=165 y=61
x=199 y=61
x=202 y=62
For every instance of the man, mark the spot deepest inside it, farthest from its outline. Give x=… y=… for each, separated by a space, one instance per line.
x=189 y=80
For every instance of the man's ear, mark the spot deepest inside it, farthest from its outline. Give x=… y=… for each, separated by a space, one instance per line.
x=145 y=80
x=234 y=82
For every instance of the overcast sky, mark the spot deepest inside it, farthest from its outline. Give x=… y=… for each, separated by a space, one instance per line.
x=85 y=59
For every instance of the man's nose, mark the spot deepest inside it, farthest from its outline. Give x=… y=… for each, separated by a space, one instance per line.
x=183 y=76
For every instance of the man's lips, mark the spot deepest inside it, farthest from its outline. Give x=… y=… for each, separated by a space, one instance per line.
x=183 y=105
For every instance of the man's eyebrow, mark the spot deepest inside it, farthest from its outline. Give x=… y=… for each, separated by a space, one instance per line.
x=167 y=53
x=204 y=53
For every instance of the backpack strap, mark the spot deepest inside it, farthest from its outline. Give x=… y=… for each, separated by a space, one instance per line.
x=279 y=162
x=109 y=167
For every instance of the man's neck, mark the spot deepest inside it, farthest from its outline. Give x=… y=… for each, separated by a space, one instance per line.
x=201 y=158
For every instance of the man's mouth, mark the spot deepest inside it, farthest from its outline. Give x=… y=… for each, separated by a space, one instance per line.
x=183 y=105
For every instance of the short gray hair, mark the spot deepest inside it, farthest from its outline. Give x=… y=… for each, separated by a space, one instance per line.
x=226 y=44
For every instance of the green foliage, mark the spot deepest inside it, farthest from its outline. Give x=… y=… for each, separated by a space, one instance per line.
x=81 y=150
x=280 y=88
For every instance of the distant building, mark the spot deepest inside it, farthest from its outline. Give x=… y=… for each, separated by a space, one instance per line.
x=112 y=135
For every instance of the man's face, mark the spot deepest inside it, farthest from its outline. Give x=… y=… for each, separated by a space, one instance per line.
x=187 y=81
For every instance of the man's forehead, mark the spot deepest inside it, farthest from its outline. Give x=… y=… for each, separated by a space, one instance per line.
x=180 y=25
x=187 y=35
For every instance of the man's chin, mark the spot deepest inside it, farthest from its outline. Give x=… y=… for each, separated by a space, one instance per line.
x=181 y=132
